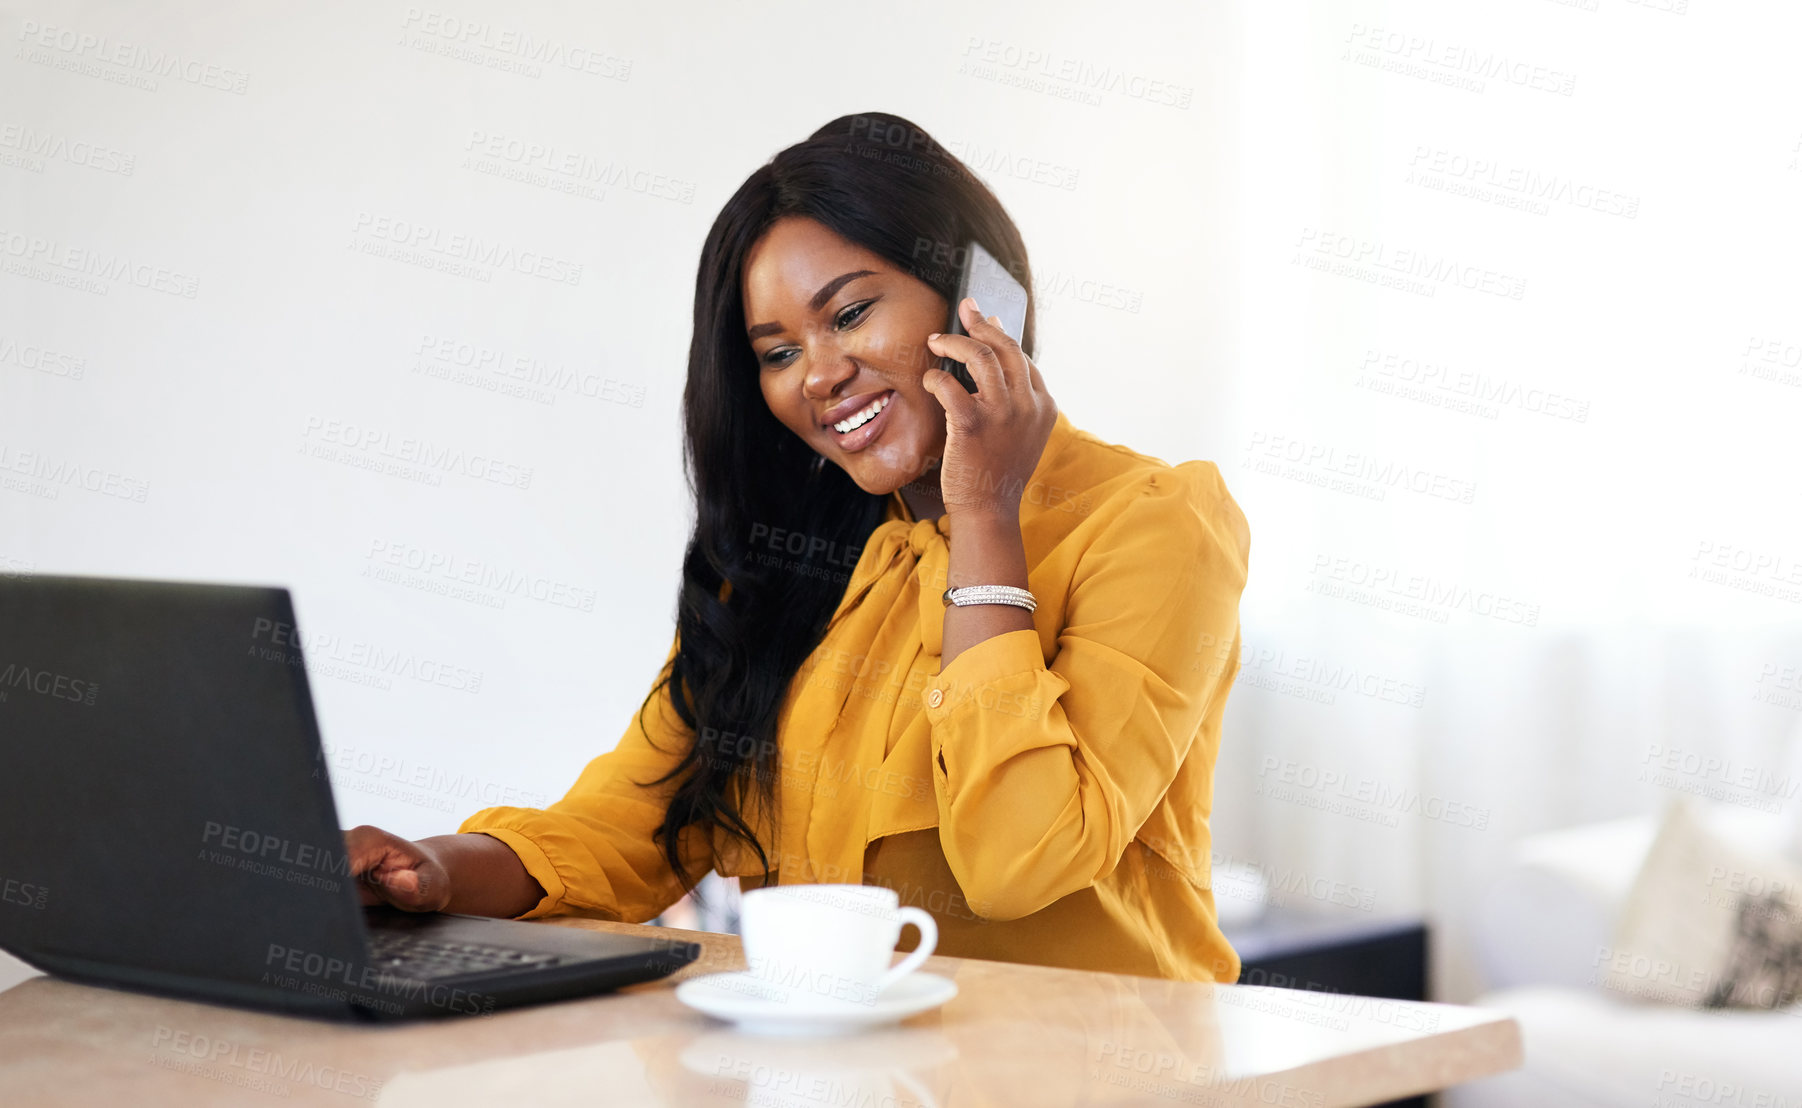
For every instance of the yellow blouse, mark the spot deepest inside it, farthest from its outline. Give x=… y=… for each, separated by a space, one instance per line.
x=1045 y=797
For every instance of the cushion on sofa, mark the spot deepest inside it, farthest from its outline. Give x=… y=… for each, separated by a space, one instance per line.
x=1709 y=922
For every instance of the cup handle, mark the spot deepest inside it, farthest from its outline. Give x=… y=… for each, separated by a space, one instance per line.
x=929 y=939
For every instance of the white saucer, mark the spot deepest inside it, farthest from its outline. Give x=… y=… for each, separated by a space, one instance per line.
x=760 y=1008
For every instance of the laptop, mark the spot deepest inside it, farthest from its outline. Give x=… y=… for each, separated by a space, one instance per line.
x=167 y=824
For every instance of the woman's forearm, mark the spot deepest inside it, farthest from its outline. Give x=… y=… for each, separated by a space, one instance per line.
x=486 y=877
x=985 y=550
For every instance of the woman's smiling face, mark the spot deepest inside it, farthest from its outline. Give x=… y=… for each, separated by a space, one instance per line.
x=835 y=328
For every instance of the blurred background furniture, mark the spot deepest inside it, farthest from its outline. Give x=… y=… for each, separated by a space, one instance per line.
x=1545 y=921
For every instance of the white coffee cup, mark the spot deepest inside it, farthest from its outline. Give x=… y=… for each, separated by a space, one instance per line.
x=829 y=945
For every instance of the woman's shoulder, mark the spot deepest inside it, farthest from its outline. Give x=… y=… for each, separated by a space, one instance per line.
x=1113 y=475
x=1096 y=491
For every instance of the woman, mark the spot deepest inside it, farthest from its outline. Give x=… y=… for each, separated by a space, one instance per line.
x=1037 y=771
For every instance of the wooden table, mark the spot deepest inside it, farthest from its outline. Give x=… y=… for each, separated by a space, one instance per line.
x=1014 y=1035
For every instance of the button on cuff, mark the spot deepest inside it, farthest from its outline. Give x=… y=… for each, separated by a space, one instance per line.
x=1005 y=655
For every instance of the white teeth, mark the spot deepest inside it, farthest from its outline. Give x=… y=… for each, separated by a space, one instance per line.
x=852 y=423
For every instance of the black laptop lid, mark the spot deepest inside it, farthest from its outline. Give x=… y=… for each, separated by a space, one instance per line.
x=164 y=816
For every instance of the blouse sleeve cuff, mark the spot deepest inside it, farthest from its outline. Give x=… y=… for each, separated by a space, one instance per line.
x=1002 y=676
x=537 y=863
x=991 y=659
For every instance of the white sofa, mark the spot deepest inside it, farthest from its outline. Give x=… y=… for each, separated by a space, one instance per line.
x=1543 y=923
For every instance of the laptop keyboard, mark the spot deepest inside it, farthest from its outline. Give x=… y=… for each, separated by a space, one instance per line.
x=409 y=955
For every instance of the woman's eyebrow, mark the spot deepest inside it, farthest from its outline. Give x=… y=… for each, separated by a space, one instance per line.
x=814 y=305
x=832 y=286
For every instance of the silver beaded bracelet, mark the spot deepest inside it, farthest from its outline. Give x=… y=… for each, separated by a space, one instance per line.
x=990 y=594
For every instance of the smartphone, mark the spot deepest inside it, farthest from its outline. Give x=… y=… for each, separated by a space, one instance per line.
x=996 y=293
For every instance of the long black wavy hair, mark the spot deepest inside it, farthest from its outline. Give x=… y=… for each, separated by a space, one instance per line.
x=743 y=627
